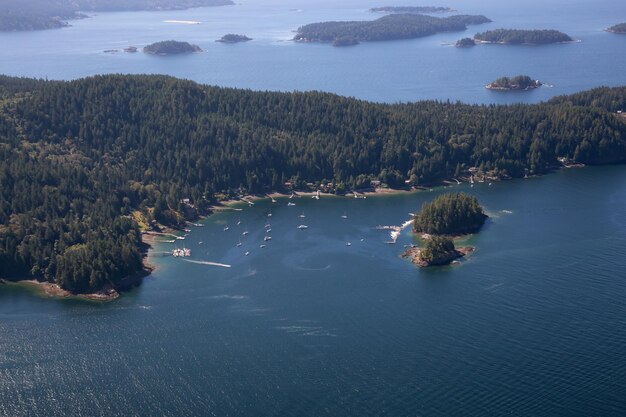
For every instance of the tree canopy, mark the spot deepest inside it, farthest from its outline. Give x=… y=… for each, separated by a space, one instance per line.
x=390 y=27
x=520 y=36
x=450 y=214
x=84 y=162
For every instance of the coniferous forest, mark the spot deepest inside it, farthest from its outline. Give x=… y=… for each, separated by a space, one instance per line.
x=82 y=163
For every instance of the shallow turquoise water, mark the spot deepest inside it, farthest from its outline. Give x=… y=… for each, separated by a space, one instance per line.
x=533 y=323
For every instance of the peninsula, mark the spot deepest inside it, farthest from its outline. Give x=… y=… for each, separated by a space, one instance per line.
x=172 y=148
x=620 y=28
x=232 y=38
x=22 y=15
x=386 y=28
x=171 y=48
x=518 y=83
x=412 y=9
x=522 y=37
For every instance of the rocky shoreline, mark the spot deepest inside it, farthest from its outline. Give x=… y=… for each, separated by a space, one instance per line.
x=413 y=254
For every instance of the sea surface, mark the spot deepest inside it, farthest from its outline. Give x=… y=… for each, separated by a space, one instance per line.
x=426 y=68
x=531 y=324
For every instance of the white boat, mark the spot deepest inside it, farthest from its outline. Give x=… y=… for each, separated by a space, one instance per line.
x=238 y=222
x=268 y=230
x=239 y=244
x=245 y=233
x=266 y=238
x=291 y=204
x=226 y=228
x=302 y=216
x=348 y=244
x=262 y=246
x=247 y=253
x=344 y=216
x=269 y=214
x=303 y=226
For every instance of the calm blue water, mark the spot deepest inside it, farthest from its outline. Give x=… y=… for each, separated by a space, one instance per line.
x=533 y=323
x=387 y=71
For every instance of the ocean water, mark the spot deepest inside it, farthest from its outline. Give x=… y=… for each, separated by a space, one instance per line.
x=426 y=68
x=532 y=323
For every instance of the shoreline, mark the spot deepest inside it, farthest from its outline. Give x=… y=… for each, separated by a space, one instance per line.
x=413 y=254
x=109 y=293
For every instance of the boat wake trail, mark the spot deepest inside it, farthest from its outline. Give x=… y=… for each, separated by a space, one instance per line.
x=207 y=263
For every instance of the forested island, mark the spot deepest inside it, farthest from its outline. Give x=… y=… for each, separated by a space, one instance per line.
x=437 y=251
x=87 y=165
x=452 y=214
x=18 y=15
x=391 y=27
x=517 y=83
x=412 y=9
x=233 y=38
x=619 y=28
x=465 y=42
x=522 y=37
x=171 y=48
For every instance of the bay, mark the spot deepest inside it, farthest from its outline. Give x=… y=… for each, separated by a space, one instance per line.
x=532 y=323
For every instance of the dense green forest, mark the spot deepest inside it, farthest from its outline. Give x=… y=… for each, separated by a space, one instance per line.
x=450 y=214
x=523 y=37
x=519 y=82
x=619 y=28
x=82 y=162
x=18 y=15
x=391 y=27
x=233 y=38
x=411 y=9
x=171 y=48
x=437 y=250
x=465 y=42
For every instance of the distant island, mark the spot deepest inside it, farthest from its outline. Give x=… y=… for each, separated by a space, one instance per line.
x=522 y=37
x=518 y=83
x=412 y=9
x=22 y=15
x=171 y=48
x=232 y=38
x=619 y=28
x=391 y=27
x=465 y=42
